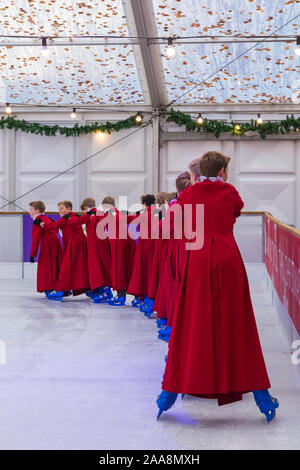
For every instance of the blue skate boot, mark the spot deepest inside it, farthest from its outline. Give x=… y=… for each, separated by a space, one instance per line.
x=108 y=293
x=164 y=333
x=165 y=401
x=56 y=296
x=117 y=301
x=100 y=299
x=161 y=322
x=98 y=296
x=47 y=292
x=136 y=302
x=149 y=308
x=143 y=304
x=266 y=403
x=89 y=293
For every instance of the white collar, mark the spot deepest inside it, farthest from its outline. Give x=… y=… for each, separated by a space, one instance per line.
x=212 y=178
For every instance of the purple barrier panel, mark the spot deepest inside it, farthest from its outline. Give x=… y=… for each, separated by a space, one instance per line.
x=27 y=235
x=134 y=230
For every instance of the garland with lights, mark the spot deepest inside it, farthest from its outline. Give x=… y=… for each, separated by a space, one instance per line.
x=11 y=122
x=213 y=126
x=289 y=124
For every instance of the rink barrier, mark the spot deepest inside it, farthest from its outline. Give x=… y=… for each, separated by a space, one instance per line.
x=282 y=261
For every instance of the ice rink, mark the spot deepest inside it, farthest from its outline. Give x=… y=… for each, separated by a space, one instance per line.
x=85 y=376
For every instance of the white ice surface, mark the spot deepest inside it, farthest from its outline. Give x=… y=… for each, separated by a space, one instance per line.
x=86 y=376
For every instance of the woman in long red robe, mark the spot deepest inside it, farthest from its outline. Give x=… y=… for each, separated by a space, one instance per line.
x=214 y=348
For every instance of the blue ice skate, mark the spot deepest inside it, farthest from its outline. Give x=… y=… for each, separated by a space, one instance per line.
x=161 y=322
x=56 y=296
x=117 y=301
x=100 y=299
x=89 y=293
x=149 y=308
x=266 y=403
x=136 y=302
x=164 y=333
x=49 y=291
x=108 y=293
x=144 y=304
x=165 y=401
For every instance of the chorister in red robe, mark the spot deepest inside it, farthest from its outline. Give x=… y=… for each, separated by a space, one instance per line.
x=157 y=269
x=214 y=347
x=166 y=293
x=122 y=249
x=98 y=250
x=50 y=254
x=73 y=274
x=144 y=254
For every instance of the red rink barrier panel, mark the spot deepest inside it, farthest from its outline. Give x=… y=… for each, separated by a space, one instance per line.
x=282 y=259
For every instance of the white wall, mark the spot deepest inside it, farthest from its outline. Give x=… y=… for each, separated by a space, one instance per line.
x=265 y=172
x=27 y=161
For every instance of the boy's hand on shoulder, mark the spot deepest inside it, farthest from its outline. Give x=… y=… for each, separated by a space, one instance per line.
x=37 y=222
x=92 y=212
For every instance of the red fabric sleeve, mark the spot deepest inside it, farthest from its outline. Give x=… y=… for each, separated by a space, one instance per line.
x=58 y=224
x=83 y=219
x=36 y=236
x=238 y=205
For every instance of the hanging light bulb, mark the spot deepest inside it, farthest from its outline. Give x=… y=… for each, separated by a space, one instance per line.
x=200 y=119
x=171 y=51
x=297 y=49
x=138 y=117
x=73 y=114
x=259 y=120
x=100 y=134
x=45 y=49
x=8 y=109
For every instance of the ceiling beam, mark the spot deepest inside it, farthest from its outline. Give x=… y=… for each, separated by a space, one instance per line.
x=145 y=27
x=111 y=41
x=241 y=108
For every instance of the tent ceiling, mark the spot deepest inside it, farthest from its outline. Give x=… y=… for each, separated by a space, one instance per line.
x=117 y=74
x=68 y=74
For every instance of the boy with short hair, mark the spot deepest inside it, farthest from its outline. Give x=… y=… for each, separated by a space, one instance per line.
x=122 y=252
x=99 y=255
x=73 y=276
x=50 y=249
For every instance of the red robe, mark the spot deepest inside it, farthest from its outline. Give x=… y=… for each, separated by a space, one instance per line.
x=157 y=270
x=49 y=257
x=73 y=274
x=143 y=259
x=122 y=253
x=214 y=347
x=166 y=292
x=99 y=256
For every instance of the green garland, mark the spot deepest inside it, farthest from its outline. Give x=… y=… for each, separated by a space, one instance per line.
x=289 y=124
x=11 y=122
